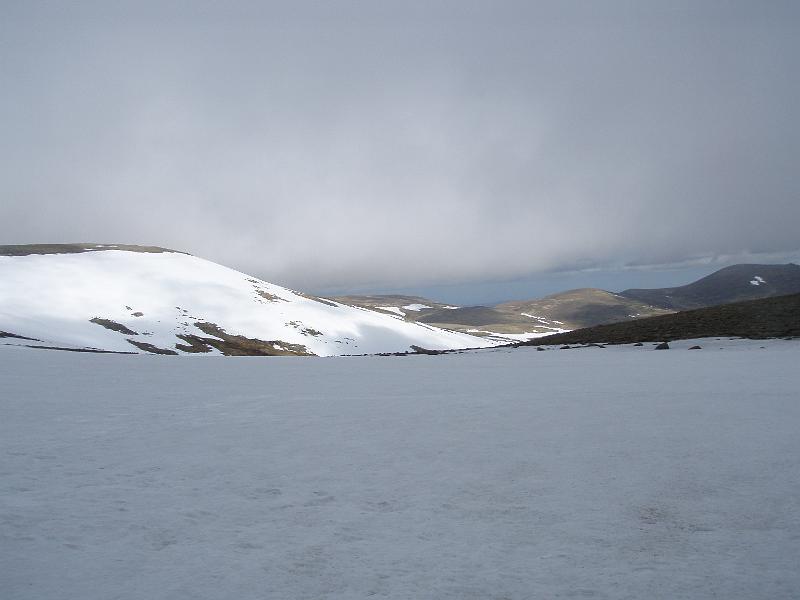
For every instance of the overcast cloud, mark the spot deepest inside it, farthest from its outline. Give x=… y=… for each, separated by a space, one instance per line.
x=335 y=144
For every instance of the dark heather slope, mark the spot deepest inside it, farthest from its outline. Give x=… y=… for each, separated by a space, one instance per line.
x=731 y=284
x=755 y=319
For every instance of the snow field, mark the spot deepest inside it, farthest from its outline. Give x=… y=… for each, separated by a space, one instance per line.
x=603 y=473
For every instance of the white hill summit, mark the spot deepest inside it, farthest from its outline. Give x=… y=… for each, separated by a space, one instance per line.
x=146 y=299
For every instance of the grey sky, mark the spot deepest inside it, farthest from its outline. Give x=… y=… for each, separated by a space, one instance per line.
x=368 y=145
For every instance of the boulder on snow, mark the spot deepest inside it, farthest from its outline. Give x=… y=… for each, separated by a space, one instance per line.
x=662 y=346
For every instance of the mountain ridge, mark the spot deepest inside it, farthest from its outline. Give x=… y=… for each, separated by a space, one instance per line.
x=730 y=284
x=580 y=308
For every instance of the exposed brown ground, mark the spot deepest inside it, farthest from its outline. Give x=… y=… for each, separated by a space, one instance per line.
x=113 y=325
x=152 y=348
x=237 y=345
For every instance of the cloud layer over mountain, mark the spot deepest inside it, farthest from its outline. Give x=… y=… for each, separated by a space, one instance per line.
x=349 y=143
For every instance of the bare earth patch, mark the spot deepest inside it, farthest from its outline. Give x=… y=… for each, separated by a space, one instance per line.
x=269 y=297
x=237 y=345
x=112 y=325
x=152 y=348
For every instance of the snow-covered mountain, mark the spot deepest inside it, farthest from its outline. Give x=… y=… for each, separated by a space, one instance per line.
x=145 y=299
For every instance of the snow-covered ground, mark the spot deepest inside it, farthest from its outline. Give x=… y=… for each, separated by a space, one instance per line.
x=514 y=337
x=138 y=300
x=621 y=472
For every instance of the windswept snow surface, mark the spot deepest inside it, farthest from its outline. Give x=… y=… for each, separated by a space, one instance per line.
x=621 y=472
x=158 y=296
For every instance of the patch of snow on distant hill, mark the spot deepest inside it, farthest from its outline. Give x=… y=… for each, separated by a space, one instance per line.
x=541 y=319
x=757 y=281
x=416 y=307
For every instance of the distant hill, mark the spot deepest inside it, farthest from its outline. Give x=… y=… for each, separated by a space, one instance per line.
x=493 y=322
x=523 y=319
x=756 y=319
x=484 y=321
x=731 y=284
x=559 y=312
x=584 y=307
x=573 y=309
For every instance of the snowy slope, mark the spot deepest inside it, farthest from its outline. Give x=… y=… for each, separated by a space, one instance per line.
x=170 y=302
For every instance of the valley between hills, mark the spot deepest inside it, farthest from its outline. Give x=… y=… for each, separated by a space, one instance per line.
x=589 y=307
